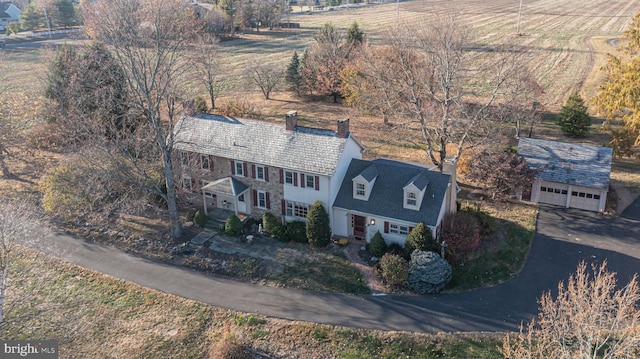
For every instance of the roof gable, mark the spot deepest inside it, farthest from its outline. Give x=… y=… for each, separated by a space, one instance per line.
x=568 y=163
x=303 y=149
x=387 y=195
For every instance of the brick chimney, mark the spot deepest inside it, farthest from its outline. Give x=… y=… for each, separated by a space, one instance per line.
x=343 y=128
x=291 y=120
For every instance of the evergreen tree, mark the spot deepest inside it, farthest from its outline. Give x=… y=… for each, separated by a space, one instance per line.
x=61 y=71
x=377 y=246
x=355 y=36
x=421 y=238
x=31 y=18
x=293 y=77
x=233 y=226
x=318 y=227
x=66 y=14
x=574 y=119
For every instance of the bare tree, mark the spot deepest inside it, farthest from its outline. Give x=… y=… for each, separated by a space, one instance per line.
x=500 y=173
x=430 y=81
x=589 y=318
x=266 y=76
x=208 y=72
x=519 y=107
x=147 y=39
x=267 y=13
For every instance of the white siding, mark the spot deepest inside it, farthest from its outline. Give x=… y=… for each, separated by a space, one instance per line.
x=341 y=223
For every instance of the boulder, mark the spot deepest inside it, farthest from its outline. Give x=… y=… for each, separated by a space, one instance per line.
x=428 y=272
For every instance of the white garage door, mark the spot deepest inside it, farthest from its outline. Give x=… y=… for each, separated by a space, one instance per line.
x=585 y=199
x=552 y=193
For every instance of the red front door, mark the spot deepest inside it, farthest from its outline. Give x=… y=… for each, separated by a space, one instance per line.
x=359 y=226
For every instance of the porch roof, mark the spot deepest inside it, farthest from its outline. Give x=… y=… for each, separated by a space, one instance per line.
x=227 y=186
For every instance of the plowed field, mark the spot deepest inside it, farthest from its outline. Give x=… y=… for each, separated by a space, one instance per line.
x=564 y=37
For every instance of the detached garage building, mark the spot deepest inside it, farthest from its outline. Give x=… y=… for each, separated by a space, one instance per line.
x=570 y=175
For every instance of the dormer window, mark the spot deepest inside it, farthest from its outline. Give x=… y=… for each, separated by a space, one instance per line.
x=412 y=199
x=361 y=189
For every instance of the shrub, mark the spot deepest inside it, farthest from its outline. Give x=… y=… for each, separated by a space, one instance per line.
x=318 y=227
x=233 y=227
x=228 y=348
x=487 y=223
x=462 y=234
x=574 y=119
x=377 y=246
x=279 y=233
x=296 y=232
x=199 y=218
x=270 y=222
x=235 y=108
x=428 y=272
x=394 y=269
x=395 y=248
x=190 y=214
x=421 y=238
x=200 y=104
x=293 y=231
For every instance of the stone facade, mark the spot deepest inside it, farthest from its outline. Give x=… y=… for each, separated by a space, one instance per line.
x=219 y=167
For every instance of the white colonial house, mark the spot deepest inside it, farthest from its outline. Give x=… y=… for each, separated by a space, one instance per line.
x=251 y=166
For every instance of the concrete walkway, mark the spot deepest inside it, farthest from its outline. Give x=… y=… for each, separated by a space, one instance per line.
x=564 y=238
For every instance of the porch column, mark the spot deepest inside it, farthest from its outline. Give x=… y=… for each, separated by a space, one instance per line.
x=204 y=201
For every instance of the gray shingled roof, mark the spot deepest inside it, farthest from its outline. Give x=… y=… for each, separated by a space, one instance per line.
x=229 y=185
x=568 y=163
x=387 y=194
x=370 y=173
x=420 y=180
x=305 y=149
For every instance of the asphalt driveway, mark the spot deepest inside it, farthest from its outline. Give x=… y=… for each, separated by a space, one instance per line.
x=563 y=239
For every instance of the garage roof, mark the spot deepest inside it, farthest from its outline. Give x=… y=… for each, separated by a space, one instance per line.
x=568 y=163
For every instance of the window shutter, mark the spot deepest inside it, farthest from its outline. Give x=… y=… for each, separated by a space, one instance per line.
x=295 y=179
x=266 y=173
x=302 y=180
x=244 y=170
x=283 y=204
x=268 y=200
x=386 y=227
x=317 y=182
x=233 y=167
x=410 y=229
x=255 y=198
x=281 y=175
x=253 y=171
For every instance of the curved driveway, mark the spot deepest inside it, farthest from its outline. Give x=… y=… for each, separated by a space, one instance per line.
x=563 y=239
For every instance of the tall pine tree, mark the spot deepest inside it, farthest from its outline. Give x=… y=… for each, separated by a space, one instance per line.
x=293 y=77
x=318 y=227
x=574 y=119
